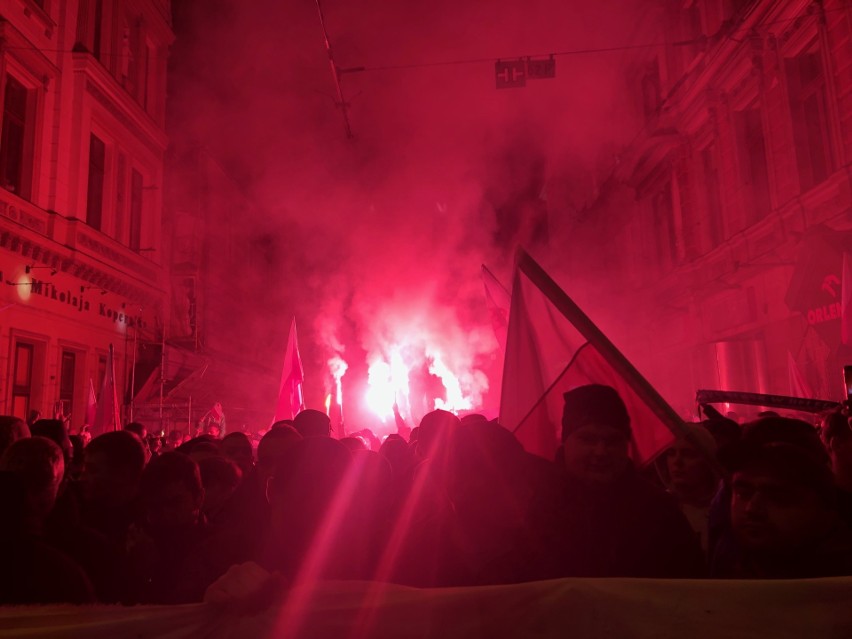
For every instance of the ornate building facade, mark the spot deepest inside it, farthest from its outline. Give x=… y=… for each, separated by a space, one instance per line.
x=82 y=146
x=723 y=224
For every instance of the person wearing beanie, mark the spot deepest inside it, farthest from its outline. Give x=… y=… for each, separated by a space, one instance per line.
x=610 y=522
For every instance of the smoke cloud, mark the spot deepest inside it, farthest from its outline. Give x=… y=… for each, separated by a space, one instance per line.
x=377 y=240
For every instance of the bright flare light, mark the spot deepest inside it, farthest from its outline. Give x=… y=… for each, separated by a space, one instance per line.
x=456 y=400
x=338 y=368
x=387 y=385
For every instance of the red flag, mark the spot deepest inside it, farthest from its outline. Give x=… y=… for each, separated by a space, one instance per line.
x=553 y=347
x=290 y=399
x=499 y=302
x=799 y=386
x=91 y=404
x=846 y=301
x=107 y=415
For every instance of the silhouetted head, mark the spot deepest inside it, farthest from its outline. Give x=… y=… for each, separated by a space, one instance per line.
x=220 y=478
x=55 y=430
x=11 y=430
x=137 y=429
x=595 y=434
x=783 y=498
x=435 y=430
x=237 y=447
x=272 y=448
x=39 y=464
x=312 y=423
x=112 y=467
x=173 y=493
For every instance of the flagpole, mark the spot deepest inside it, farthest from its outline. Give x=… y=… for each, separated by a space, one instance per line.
x=611 y=354
x=133 y=370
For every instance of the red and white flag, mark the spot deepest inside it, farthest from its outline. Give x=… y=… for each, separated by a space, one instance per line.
x=107 y=415
x=846 y=301
x=553 y=347
x=499 y=301
x=290 y=398
x=799 y=386
x=91 y=404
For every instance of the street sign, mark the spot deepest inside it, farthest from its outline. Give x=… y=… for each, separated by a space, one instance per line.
x=511 y=74
x=541 y=69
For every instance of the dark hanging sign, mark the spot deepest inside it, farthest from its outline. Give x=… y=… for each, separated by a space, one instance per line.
x=513 y=74
x=541 y=69
x=510 y=74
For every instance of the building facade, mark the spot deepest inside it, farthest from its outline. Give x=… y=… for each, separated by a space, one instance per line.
x=724 y=222
x=82 y=146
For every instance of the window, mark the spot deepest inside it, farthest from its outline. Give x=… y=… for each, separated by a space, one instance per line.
x=120 y=197
x=97 y=33
x=692 y=30
x=754 y=175
x=664 y=225
x=89 y=36
x=809 y=110
x=145 y=91
x=22 y=379
x=97 y=173
x=102 y=364
x=651 y=98
x=13 y=137
x=712 y=197
x=135 y=210
x=67 y=373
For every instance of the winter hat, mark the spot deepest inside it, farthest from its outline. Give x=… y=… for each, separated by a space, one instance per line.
x=594 y=404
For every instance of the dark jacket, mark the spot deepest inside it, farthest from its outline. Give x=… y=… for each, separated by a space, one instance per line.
x=630 y=528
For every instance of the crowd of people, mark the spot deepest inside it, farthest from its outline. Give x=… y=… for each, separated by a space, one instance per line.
x=127 y=518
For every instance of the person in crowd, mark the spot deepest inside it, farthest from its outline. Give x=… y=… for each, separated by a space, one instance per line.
x=836 y=436
x=33 y=416
x=723 y=544
x=11 y=430
x=155 y=445
x=312 y=423
x=311 y=494
x=174 y=440
x=109 y=484
x=399 y=456
x=78 y=445
x=55 y=430
x=237 y=447
x=492 y=487
x=220 y=478
x=354 y=442
x=433 y=433
x=34 y=572
x=137 y=429
x=174 y=555
x=688 y=475
x=141 y=432
x=611 y=523
x=85 y=434
x=784 y=516
x=271 y=449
